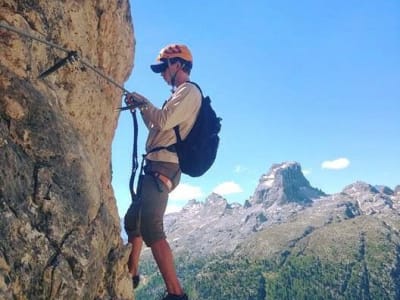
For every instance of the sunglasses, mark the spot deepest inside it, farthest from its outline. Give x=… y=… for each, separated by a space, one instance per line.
x=163 y=67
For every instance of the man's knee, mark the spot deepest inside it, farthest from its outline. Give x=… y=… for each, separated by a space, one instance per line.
x=152 y=232
x=132 y=221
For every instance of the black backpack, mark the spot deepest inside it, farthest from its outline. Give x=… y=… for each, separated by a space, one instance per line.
x=197 y=152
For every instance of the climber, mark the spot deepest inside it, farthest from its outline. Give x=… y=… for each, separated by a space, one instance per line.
x=144 y=218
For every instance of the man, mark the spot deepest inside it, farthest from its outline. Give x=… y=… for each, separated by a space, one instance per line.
x=144 y=218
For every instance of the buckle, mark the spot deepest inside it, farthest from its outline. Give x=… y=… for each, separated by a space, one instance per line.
x=164 y=179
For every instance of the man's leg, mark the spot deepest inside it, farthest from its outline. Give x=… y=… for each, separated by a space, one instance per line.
x=163 y=256
x=133 y=262
x=132 y=225
x=155 y=193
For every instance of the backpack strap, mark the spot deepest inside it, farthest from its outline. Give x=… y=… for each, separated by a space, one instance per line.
x=195 y=84
x=170 y=148
x=176 y=128
x=177 y=134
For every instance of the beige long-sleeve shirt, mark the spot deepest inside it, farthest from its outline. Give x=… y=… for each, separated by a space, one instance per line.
x=181 y=109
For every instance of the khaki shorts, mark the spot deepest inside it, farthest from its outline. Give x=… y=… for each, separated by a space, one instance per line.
x=145 y=216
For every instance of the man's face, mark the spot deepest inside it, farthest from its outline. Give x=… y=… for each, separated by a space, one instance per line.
x=170 y=71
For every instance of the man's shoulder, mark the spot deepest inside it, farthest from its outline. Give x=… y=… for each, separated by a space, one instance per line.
x=192 y=89
x=187 y=85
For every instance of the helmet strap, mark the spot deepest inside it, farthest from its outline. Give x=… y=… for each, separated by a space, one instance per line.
x=173 y=76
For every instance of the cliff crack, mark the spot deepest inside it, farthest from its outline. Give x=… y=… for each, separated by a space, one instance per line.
x=41 y=178
x=55 y=259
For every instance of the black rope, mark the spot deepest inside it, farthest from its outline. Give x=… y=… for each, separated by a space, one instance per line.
x=135 y=163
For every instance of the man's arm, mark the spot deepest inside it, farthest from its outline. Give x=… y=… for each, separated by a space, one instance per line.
x=184 y=103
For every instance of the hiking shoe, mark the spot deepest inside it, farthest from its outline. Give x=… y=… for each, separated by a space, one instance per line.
x=175 y=297
x=135 y=281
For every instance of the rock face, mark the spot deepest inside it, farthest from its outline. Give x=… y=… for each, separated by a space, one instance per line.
x=285 y=183
x=59 y=226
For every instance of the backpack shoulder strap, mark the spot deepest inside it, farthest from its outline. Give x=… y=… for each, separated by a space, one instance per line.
x=195 y=84
x=177 y=134
x=176 y=128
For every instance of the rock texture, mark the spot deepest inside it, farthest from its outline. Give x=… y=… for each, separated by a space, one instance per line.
x=59 y=226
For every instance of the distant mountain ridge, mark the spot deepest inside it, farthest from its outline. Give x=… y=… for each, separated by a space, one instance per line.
x=281 y=194
x=287 y=241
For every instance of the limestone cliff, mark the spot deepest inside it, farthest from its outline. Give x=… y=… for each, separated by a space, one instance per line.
x=59 y=226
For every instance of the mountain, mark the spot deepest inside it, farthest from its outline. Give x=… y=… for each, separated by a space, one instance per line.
x=284 y=183
x=290 y=238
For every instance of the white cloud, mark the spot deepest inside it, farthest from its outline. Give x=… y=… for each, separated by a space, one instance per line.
x=337 y=164
x=227 y=188
x=185 y=192
x=239 y=169
x=306 y=171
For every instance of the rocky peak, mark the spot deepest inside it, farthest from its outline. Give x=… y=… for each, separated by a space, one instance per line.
x=385 y=190
x=214 y=205
x=284 y=183
x=360 y=187
x=397 y=190
x=193 y=205
x=371 y=199
x=216 y=200
x=213 y=202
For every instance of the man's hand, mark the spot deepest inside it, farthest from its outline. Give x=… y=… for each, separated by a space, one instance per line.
x=130 y=102
x=135 y=100
x=139 y=98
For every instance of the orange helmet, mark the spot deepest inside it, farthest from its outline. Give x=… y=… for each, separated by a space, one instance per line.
x=171 y=51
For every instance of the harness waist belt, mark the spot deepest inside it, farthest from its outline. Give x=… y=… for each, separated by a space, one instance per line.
x=170 y=148
x=164 y=179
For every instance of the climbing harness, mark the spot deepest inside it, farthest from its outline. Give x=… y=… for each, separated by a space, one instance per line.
x=73 y=56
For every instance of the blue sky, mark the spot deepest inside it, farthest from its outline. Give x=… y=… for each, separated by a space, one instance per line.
x=317 y=82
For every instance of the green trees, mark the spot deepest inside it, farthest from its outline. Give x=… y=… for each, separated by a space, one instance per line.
x=355 y=259
x=302 y=277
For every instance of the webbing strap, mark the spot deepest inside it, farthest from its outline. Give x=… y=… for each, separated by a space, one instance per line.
x=134 y=154
x=170 y=148
x=176 y=128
